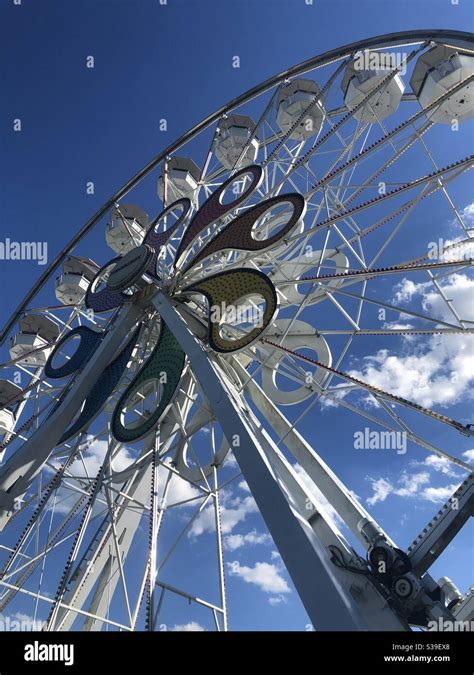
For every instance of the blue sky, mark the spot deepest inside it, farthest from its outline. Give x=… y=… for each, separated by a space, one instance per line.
x=102 y=124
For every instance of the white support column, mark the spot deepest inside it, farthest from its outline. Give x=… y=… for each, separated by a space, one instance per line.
x=318 y=581
x=326 y=480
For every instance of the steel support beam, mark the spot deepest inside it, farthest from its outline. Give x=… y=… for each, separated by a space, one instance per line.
x=442 y=529
x=324 y=478
x=329 y=605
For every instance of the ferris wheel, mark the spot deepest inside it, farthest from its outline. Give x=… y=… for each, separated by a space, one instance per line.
x=199 y=355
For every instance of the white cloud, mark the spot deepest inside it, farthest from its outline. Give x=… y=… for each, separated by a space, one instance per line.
x=235 y=541
x=430 y=370
x=469 y=455
x=459 y=289
x=264 y=575
x=233 y=511
x=441 y=375
x=467 y=214
x=93 y=458
x=438 y=370
x=397 y=325
x=192 y=626
x=276 y=599
x=413 y=486
x=406 y=289
x=86 y=467
x=410 y=483
x=179 y=489
x=230 y=461
x=440 y=464
x=381 y=489
x=354 y=495
x=439 y=494
x=331 y=402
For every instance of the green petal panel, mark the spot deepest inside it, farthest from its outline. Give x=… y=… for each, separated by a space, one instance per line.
x=167 y=357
